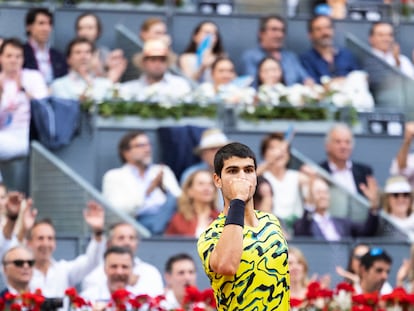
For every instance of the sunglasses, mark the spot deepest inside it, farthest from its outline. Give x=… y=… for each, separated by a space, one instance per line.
x=404 y=195
x=20 y=262
x=156 y=58
x=376 y=251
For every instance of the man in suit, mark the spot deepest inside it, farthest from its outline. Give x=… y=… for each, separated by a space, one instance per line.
x=145 y=190
x=318 y=223
x=18 y=264
x=339 y=143
x=37 y=52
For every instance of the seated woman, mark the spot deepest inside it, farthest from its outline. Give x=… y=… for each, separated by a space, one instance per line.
x=269 y=72
x=204 y=48
x=225 y=87
x=298 y=268
x=17 y=87
x=196 y=206
x=350 y=275
x=398 y=203
x=105 y=63
x=286 y=183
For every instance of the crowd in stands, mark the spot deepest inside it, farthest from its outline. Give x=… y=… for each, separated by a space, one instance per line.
x=170 y=205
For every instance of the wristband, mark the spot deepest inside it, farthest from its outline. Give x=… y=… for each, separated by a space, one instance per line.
x=235 y=214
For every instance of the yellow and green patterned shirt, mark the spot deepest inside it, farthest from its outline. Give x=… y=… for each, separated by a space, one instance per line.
x=262 y=280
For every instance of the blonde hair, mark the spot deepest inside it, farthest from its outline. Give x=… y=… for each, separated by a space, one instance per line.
x=185 y=203
x=302 y=260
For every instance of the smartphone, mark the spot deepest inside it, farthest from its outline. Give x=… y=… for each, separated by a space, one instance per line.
x=289 y=134
x=203 y=47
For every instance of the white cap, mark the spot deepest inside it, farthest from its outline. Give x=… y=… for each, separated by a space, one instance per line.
x=397 y=184
x=211 y=138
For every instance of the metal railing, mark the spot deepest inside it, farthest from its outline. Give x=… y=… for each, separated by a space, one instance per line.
x=61 y=194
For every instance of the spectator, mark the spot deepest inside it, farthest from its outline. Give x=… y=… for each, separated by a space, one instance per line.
x=144 y=190
x=403 y=164
x=318 y=223
x=17 y=87
x=118 y=265
x=204 y=48
x=269 y=72
x=155 y=82
x=272 y=31
x=339 y=143
x=405 y=274
x=81 y=83
x=17 y=264
x=398 y=203
x=287 y=184
x=54 y=277
x=324 y=59
x=196 y=206
x=263 y=197
x=298 y=269
x=104 y=63
x=224 y=86
x=374 y=270
x=154 y=28
x=145 y=278
x=243 y=251
x=180 y=272
x=212 y=139
x=381 y=39
x=37 y=52
x=351 y=274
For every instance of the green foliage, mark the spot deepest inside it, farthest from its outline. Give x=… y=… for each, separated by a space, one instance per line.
x=286 y=112
x=154 y=110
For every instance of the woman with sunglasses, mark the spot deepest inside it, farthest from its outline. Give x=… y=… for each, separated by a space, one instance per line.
x=398 y=203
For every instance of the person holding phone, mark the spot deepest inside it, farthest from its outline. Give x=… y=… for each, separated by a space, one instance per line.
x=204 y=48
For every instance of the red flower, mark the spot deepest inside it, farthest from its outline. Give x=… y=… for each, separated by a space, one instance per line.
x=370 y=299
x=79 y=302
x=15 y=307
x=120 y=295
x=192 y=294
x=9 y=296
x=207 y=296
x=71 y=292
x=348 y=287
x=398 y=295
x=295 y=302
x=313 y=290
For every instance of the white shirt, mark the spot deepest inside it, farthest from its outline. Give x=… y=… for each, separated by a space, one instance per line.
x=327 y=227
x=344 y=177
x=72 y=86
x=15 y=112
x=170 y=87
x=125 y=189
x=43 y=61
x=385 y=289
x=149 y=280
x=63 y=274
x=287 y=200
x=170 y=302
x=406 y=66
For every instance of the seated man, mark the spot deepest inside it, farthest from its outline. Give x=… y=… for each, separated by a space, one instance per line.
x=118 y=263
x=17 y=267
x=17 y=87
x=37 y=51
x=145 y=278
x=339 y=143
x=382 y=41
x=272 y=31
x=180 y=272
x=318 y=223
x=324 y=59
x=155 y=82
x=375 y=268
x=140 y=188
x=81 y=83
x=54 y=277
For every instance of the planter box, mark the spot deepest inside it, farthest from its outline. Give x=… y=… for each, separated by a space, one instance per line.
x=131 y=122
